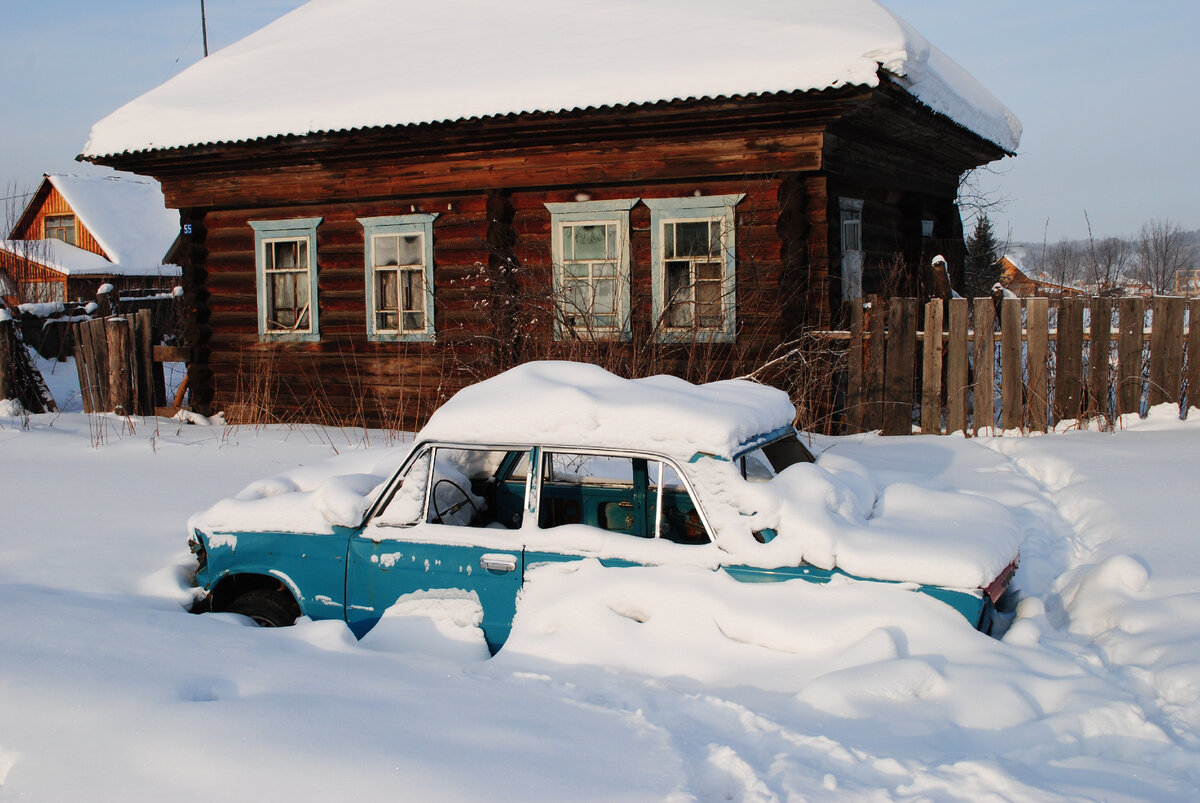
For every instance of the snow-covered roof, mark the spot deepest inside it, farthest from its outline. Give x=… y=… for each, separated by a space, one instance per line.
x=576 y=404
x=334 y=65
x=126 y=215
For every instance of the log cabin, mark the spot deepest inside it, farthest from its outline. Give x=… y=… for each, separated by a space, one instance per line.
x=378 y=206
x=78 y=232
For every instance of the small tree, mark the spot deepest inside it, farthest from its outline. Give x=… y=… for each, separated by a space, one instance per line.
x=983 y=258
x=1163 y=251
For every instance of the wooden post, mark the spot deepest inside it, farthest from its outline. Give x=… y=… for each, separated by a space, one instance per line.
x=1068 y=389
x=876 y=348
x=119 y=388
x=1193 y=360
x=1132 y=321
x=956 y=367
x=898 y=379
x=1011 y=384
x=1166 y=350
x=8 y=385
x=931 y=379
x=1098 y=356
x=145 y=361
x=1037 y=311
x=985 y=365
x=855 y=388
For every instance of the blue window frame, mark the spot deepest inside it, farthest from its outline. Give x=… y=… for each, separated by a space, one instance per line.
x=398 y=253
x=693 y=276
x=590 y=249
x=286 y=269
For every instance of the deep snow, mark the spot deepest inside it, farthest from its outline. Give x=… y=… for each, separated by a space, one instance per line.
x=624 y=684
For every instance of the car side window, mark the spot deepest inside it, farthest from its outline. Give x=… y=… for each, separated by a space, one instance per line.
x=466 y=490
x=633 y=495
x=407 y=504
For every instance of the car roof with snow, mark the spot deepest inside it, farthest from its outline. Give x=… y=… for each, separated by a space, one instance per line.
x=575 y=404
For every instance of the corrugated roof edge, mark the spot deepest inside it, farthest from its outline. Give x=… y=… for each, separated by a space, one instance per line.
x=100 y=157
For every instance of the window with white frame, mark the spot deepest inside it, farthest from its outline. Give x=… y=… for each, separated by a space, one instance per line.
x=286 y=267
x=590 y=249
x=399 y=280
x=693 y=266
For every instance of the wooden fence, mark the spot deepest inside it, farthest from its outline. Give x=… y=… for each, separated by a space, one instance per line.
x=120 y=367
x=1017 y=364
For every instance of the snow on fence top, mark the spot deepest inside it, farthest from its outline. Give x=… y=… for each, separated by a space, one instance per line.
x=335 y=65
x=575 y=404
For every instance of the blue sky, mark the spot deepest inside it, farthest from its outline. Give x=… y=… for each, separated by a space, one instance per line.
x=1104 y=90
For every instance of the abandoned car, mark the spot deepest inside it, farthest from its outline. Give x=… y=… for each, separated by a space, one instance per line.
x=562 y=462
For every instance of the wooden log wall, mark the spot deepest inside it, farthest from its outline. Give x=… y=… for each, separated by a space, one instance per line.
x=1051 y=368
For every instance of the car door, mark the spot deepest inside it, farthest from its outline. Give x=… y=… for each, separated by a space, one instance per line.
x=448 y=528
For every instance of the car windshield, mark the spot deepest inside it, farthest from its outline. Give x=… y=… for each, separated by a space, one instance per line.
x=763 y=463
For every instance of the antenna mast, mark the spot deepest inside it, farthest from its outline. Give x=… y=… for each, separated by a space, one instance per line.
x=204 y=28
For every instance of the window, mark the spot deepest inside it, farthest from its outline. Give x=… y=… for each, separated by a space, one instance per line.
x=399 y=263
x=590 y=249
x=59 y=227
x=693 y=270
x=286 y=264
x=852 y=250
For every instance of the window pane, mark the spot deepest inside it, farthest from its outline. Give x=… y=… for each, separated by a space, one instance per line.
x=405 y=507
x=692 y=239
x=708 y=303
x=679 y=310
x=411 y=250
x=591 y=242
x=605 y=302
x=668 y=241
x=387 y=251
x=386 y=294
x=463 y=481
x=680 y=520
x=414 y=290
x=604 y=269
x=708 y=271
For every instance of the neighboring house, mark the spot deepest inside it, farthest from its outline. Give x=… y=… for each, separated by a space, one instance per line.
x=1014 y=278
x=81 y=231
x=364 y=231
x=1187 y=283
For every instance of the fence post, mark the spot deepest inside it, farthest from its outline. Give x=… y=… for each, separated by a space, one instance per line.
x=931 y=379
x=119 y=389
x=875 y=365
x=1068 y=385
x=898 y=380
x=985 y=365
x=8 y=386
x=1011 y=383
x=1098 y=353
x=1166 y=350
x=1132 y=322
x=1036 y=325
x=1193 y=358
x=854 y=370
x=956 y=366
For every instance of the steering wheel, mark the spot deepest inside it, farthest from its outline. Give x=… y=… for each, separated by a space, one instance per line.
x=439 y=514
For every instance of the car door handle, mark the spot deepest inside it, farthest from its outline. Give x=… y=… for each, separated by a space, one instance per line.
x=498 y=563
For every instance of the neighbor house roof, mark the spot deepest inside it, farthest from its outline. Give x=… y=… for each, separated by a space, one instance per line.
x=334 y=65
x=125 y=214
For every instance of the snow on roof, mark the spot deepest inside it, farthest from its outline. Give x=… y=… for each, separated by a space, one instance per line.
x=333 y=65
x=126 y=214
x=57 y=255
x=575 y=404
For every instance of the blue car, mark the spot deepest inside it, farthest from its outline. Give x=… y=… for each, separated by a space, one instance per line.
x=477 y=503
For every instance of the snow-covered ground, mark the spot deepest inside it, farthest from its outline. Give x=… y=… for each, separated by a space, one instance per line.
x=617 y=684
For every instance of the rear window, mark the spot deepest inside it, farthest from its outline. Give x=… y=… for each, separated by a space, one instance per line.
x=763 y=463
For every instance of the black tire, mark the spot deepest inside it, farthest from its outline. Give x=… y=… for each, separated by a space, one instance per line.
x=266 y=608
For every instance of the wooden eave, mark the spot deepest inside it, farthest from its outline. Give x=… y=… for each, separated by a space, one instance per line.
x=20 y=230
x=677 y=118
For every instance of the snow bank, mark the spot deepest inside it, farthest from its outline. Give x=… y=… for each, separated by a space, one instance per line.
x=319 y=67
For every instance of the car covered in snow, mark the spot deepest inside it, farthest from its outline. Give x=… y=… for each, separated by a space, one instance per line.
x=553 y=462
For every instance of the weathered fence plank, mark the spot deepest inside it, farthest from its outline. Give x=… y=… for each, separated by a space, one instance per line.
x=899 y=367
x=1011 y=385
x=119 y=387
x=855 y=378
x=1193 y=356
x=1068 y=386
x=1131 y=322
x=1166 y=350
x=1037 y=327
x=1099 y=349
x=875 y=359
x=145 y=362
x=931 y=379
x=985 y=365
x=956 y=366
x=8 y=383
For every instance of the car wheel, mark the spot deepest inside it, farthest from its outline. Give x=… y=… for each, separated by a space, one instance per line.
x=265 y=608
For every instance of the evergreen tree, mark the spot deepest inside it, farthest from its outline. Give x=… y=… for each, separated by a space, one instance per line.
x=983 y=258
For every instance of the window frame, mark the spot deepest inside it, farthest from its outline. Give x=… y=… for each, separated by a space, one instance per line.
x=720 y=209
x=73 y=229
x=399 y=225
x=267 y=232
x=597 y=213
